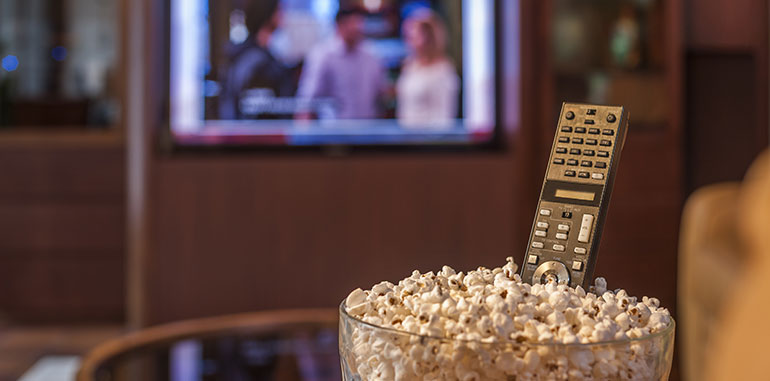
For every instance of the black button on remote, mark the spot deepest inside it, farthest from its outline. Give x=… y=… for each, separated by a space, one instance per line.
x=580 y=130
x=569 y=115
x=563 y=139
x=574 y=151
x=566 y=129
x=591 y=142
x=569 y=173
x=605 y=143
x=572 y=162
x=591 y=111
x=588 y=152
x=589 y=121
x=601 y=164
x=566 y=214
x=584 y=175
x=594 y=131
x=603 y=154
x=561 y=149
x=608 y=132
x=577 y=140
x=558 y=161
x=586 y=163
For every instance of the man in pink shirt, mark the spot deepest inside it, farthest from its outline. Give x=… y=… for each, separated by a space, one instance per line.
x=344 y=71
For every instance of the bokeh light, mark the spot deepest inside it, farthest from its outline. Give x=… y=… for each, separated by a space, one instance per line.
x=59 y=53
x=10 y=63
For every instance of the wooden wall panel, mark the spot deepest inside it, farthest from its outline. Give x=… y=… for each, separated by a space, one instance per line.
x=61 y=232
x=726 y=24
x=240 y=234
x=726 y=88
x=35 y=172
x=44 y=226
x=723 y=115
x=62 y=287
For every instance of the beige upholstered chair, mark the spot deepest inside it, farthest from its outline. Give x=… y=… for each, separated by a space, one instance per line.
x=718 y=251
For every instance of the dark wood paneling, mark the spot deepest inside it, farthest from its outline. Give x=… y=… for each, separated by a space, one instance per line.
x=727 y=89
x=46 y=227
x=62 y=288
x=61 y=231
x=723 y=117
x=38 y=172
x=246 y=234
x=726 y=24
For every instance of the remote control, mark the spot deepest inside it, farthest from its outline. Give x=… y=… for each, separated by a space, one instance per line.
x=575 y=196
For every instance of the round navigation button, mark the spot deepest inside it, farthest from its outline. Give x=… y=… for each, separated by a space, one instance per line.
x=551 y=271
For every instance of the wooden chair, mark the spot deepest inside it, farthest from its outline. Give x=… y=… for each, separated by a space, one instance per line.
x=273 y=345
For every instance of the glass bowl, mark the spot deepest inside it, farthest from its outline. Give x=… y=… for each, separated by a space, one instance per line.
x=370 y=352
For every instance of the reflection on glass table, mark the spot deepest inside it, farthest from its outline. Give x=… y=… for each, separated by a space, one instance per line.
x=278 y=345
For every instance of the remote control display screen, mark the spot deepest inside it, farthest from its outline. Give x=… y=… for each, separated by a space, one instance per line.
x=575 y=195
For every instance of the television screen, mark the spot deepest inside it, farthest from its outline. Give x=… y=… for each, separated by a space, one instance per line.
x=332 y=72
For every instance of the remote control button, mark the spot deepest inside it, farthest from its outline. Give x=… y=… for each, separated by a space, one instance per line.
x=572 y=162
x=577 y=140
x=569 y=115
x=605 y=143
x=566 y=215
x=561 y=149
x=574 y=151
x=589 y=152
x=603 y=154
x=563 y=139
x=580 y=130
x=584 y=175
x=558 y=247
x=569 y=173
x=561 y=236
x=532 y=259
x=563 y=227
x=577 y=265
x=591 y=111
x=542 y=224
x=597 y=176
x=566 y=129
x=537 y=245
x=558 y=160
x=591 y=142
x=539 y=233
x=611 y=118
x=608 y=132
x=589 y=121
x=594 y=131
x=585 y=228
x=601 y=164
x=580 y=250
x=545 y=212
x=585 y=163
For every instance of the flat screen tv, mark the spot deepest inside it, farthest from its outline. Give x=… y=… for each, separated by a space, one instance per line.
x=333 y=72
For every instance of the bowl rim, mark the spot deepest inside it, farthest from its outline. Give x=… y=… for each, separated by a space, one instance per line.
x=664 y=332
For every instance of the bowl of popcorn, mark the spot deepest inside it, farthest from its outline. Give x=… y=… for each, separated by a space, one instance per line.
x=489 y=325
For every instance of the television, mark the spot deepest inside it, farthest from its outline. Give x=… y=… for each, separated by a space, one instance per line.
x=285 y=73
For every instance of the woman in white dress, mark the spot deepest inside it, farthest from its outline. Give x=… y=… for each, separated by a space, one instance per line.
x=428 y=87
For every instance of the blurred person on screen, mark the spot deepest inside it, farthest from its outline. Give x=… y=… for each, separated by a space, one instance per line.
x=252 y=66
x=344 y=71
x=428 y=88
